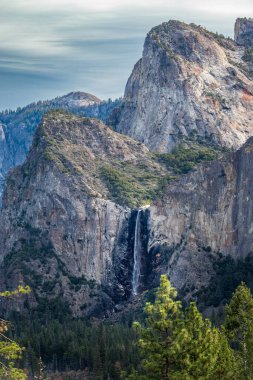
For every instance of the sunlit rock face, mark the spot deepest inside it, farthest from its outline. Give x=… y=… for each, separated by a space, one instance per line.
x=72 y=225
x=189 y=83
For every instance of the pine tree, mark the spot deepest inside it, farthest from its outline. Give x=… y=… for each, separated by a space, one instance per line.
x=198 y=351
x=178 y=344
x=227 y=366
x=238 y=327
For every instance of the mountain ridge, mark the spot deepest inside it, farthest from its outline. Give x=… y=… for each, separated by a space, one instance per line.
x=18 y=127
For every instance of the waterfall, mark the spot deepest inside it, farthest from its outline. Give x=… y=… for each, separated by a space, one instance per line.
x=137 y=255
x=137 y=252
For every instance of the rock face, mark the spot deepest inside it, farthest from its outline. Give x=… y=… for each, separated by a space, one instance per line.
x=59 y=230
x=244 y=32
x=189 y=83
x=66 y=232
x=202 y=219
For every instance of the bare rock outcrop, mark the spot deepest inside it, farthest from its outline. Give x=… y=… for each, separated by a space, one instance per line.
x=18 y=127
x=244 y=32
x=189 y=83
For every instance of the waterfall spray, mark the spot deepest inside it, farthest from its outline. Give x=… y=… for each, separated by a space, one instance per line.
x=137 y=255
x=137 y=252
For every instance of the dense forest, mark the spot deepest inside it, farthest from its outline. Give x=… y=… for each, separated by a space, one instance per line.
x=169 y=341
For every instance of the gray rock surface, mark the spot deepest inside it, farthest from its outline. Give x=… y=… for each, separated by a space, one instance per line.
x=17 y=128
x=244 y=32
x=67 y=223
x=59 y=231
x=189 y=83
x=203 y=216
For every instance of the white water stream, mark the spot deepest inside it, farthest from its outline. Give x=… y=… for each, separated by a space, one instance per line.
x=137 y=255
x=137 y=252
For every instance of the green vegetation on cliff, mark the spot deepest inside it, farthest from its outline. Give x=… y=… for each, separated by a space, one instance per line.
x=186 y=156
x=140 y=184
x=129 y=185
x=228 y=274
x=103 y=163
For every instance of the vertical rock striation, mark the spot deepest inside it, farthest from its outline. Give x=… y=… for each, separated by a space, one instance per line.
x=204 y=216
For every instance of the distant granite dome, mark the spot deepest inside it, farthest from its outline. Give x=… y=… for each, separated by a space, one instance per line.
x=189 y=83
x=244 y=32
x=78 y=99
x=70 y=213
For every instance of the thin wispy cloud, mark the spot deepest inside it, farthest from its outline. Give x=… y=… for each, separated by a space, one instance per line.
x=50 y=47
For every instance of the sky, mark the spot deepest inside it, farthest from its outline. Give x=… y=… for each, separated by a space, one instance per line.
x=51 y=47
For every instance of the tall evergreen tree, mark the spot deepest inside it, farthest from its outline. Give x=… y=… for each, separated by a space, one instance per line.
x=238 y=327
x=227 y=366
x=178 y=344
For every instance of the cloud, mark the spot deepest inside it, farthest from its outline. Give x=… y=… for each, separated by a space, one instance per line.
x=65 y=45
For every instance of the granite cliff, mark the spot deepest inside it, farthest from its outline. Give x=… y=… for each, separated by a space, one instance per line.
x=190 y=83
x=66 y=224
x=203 y=222
x=72 y=223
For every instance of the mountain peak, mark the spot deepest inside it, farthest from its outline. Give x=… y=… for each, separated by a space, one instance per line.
x=78 y=99
x=189 y=83
x=90 y=152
